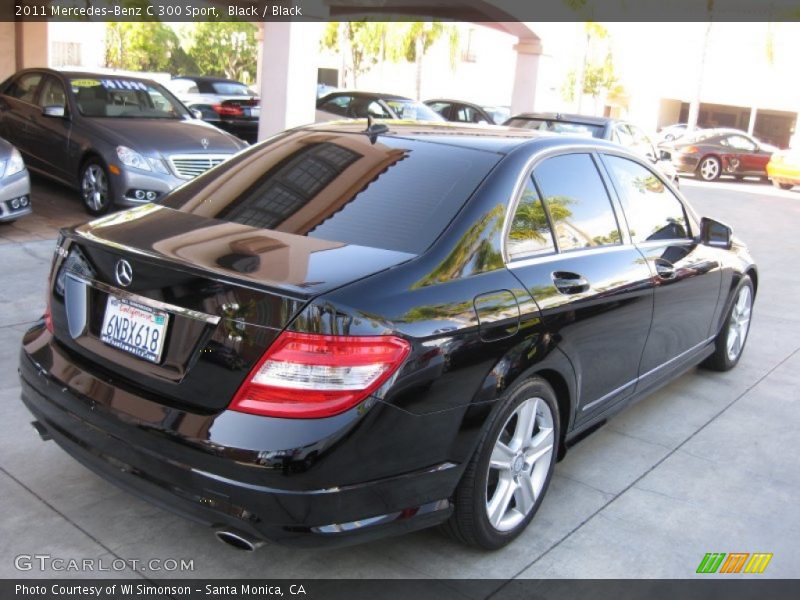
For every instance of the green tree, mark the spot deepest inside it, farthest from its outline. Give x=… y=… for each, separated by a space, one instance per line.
x=141 y=46
x=362 y=44
x=224 y=49
x=595 y=75
x=420 y=36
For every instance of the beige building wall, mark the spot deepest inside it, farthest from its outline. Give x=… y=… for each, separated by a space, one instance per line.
x=7 y=49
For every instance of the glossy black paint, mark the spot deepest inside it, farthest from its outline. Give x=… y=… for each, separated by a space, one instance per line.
x=477 y=323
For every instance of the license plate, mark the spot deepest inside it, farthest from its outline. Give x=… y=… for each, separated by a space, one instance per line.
x=255 y=111
x=134 y=328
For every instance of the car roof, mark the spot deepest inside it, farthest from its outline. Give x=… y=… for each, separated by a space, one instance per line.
x=451 y=101
x=366 y=95
x=566 y=117
x=207 y=79
x=490 y=138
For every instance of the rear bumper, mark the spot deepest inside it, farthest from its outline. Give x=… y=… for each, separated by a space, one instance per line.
x=684 y=163
x=209 y=468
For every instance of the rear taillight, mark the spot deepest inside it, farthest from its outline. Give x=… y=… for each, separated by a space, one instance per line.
x=305 y=375
x=48 y=315
x=228 y=110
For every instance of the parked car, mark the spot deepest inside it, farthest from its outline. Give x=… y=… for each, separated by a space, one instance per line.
x=711 y=153
x=621 y=132
x=225 y=103
x=670 y=133
x=120 y=141
x=15 y=185
x=783 y=169
x=466 y=112
x=360 y=105
x=349 y=332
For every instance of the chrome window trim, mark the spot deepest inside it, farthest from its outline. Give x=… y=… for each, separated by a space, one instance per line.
x=527 y=171
x=156 y=304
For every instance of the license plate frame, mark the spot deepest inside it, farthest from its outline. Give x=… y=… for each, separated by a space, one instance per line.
x=129 y=326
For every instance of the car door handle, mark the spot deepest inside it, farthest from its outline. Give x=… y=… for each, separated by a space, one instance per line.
x=570 y=283
x=665 y=269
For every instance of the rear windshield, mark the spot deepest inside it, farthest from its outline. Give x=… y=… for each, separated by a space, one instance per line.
x=558 y=126
x=230 y=88
x=395 y=193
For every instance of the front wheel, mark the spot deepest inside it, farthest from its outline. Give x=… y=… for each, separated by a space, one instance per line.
x=96 y=188
x=506 y=480
x=730 y=340
x=709 y=168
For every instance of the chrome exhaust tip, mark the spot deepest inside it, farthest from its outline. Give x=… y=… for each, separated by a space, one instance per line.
x=238 y=540
x=42 y=431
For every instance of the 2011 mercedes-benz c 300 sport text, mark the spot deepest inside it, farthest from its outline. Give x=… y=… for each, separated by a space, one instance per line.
x=350 y=331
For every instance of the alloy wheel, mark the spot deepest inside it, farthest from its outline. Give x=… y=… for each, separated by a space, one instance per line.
x=709 y=169
x=739 y=323
x=519 y=464
x=94 y=187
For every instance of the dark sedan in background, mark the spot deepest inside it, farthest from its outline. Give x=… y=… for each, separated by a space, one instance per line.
x=225 y=103
x=604 y=128
x=15 y=185
x=120 y=140
x=360 y=105
x=467 y=112
x=351 y=331
x=711 y=153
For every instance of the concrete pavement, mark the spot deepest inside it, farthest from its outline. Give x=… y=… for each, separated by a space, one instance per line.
x=710 y=463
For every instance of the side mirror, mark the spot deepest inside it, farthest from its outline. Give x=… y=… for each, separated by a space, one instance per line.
x=715 y=234
x=55 y=111
x=197 y=114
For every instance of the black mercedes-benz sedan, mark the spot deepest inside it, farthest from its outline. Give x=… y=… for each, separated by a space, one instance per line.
x=354 y=330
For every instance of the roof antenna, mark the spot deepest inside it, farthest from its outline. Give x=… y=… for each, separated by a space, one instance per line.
x=374 y=129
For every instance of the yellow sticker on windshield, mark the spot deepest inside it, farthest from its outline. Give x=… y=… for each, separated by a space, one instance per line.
x=79 y=83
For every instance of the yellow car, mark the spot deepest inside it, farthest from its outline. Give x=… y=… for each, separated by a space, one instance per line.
x=783 y=169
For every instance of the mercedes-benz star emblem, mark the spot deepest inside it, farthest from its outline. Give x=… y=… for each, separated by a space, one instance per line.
x=204 y=143
x=123 y=272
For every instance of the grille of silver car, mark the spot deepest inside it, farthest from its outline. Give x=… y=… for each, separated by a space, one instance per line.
x=189 y=166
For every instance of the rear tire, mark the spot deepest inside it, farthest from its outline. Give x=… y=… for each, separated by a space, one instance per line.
x=95 y=187
x=506 y=480
x=730 y=341
x=783 y=186
x=709 y=168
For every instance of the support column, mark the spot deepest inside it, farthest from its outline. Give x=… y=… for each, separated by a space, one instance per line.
x=31 y=44
x=751 y=124
x=288 y=75
x=526 y=75
x=260 y=50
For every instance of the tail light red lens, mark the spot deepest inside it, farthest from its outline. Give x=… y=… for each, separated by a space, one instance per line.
x=227 y=110
x=48 y=315
x=305 y=375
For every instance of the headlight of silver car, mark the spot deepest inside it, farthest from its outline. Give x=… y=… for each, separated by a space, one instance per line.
x=131 y=158
x=158 y=165
x=14 y=165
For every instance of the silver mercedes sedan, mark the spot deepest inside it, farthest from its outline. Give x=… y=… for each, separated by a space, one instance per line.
x=15 y=185
x=120 y=140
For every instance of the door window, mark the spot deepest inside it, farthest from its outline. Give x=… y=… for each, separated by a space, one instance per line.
x=53 y=93
x=577 y=202
x=652 y=210
x=466 y=114
x=739 y=142
x=529 y=232
x=337 y=105
x=440 y=108
x=24 y=87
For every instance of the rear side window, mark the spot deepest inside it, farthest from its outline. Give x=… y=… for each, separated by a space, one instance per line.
x=529 y=232
x=577 y=202
x=24 y=87
x=395 y=193
x=652 y=210
x=337 y=105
